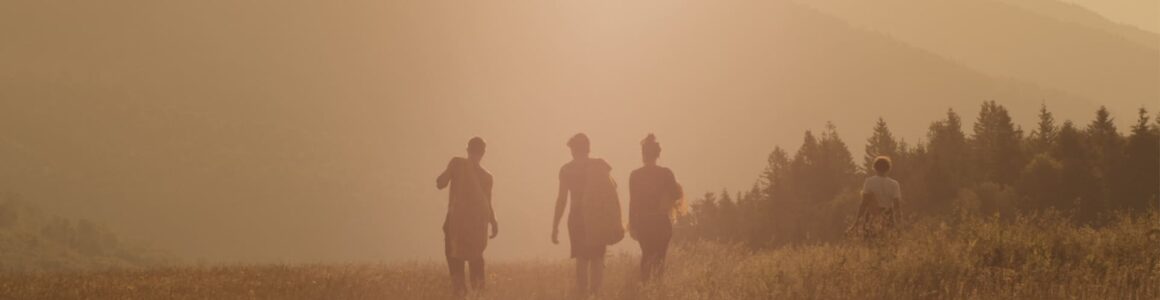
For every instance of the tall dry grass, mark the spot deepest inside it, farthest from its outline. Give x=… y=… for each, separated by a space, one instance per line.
x=1035 y=257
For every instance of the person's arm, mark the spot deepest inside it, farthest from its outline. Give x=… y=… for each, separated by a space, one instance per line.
x=867 y=198
x=633 y=205
x=445 y=177
x=561 y=201
x=491 y=208
x=897 y=203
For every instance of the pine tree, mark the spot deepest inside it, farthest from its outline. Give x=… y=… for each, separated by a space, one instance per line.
x=1080 y=188
x=836 y=166
x=1107 y=148
x=948 y=162
x=1156 y=125
x=755 y=217
x=804 y=170
x=729 y=218
x=1045 y=132
x=1141 y=182
x=775 y=178
x=1105 y=140
x=777 y=191
x=880 y=143
x=996 y=145
x=911 y=168
x=706 y=214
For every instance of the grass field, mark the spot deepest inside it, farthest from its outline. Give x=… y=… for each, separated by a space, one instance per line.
x=1029 y=258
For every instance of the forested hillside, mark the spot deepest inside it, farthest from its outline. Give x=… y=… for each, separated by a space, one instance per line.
x=1085 y=171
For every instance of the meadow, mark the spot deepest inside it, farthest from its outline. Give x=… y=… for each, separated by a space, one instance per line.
x=1031 y=257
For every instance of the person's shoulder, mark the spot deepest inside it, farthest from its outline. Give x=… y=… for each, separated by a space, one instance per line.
x=599 y=163
x=456 y=161
x=641 y=171
x=647 y=168
x=572 y=164
x=569 y=167
x=660 y=171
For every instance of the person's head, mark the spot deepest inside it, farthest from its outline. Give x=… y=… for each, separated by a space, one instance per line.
x=882 y=165
x=650 y=150
x=579 y=145
x=475 y=149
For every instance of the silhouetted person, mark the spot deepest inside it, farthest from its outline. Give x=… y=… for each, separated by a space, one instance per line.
x=653 y=196
x=594 y=216
x=880 y=201
x=469 y=212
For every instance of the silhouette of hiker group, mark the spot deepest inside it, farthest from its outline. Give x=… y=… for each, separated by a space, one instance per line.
x=594 y=215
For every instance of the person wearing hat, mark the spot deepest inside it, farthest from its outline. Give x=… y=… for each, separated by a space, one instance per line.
x=469 y=212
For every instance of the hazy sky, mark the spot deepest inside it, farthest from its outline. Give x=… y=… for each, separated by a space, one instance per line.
x=305 y=131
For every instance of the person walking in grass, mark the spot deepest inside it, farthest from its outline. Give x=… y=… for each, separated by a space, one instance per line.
x=881 y=196
x=469 y=212
x=654 y=197
x=594 y=215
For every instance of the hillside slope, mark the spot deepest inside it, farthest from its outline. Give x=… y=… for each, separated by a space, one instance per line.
x=1074 y=13
x=1040 y=43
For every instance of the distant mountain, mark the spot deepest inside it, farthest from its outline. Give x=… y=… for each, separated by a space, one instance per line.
x=1143 y=14
x=1047 y=43
x=1073 y=13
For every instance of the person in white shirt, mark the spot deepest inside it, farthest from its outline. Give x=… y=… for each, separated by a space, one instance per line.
x=880 y=200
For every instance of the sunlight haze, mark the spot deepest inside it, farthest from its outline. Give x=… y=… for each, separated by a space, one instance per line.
x=305 y=131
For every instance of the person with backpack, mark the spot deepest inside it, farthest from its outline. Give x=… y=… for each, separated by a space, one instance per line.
x=469 y=213
x=594 y=219
x=654 y=199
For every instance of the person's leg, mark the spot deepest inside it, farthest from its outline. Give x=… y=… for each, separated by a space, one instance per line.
x=661 y=252
x=582 y=275
x=597 y=265
x=875 y=222
x=645 y=259
x=891 y=218
x=455 y=265
x=477 y=273
x=648 y=258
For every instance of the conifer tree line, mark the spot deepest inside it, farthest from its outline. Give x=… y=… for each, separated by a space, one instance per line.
x=1087 y=172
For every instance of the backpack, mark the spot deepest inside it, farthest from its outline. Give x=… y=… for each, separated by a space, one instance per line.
x=603 y=224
